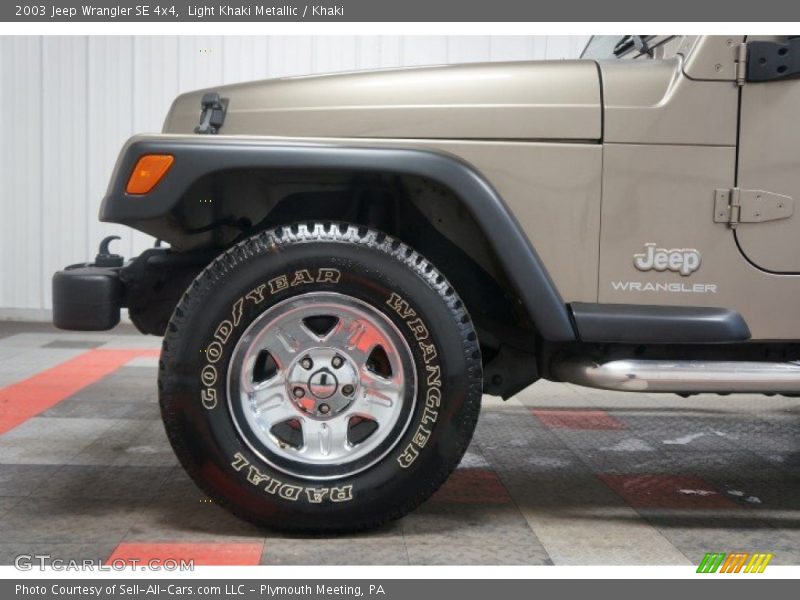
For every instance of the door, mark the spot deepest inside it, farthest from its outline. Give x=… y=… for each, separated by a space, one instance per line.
x=769 y=160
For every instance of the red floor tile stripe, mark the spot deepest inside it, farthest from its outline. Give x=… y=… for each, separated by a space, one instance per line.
x=578 y=419
x=666 y=491
x=203 y=554
x=473 y=486
x=29 y=397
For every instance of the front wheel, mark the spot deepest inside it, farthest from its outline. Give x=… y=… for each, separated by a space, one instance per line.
x=320 y=377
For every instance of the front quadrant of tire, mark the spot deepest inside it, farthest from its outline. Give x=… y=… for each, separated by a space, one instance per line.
x=320 y=377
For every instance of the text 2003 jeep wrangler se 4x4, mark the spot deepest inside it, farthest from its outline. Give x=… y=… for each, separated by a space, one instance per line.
x=354 y=259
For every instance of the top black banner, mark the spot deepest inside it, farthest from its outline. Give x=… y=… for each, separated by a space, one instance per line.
x=406 y=10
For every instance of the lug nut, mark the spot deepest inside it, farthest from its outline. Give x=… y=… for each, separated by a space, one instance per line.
x=324 y=409
x=348 y=390
x=307 y=363
x=337 y=361
x=298 y=392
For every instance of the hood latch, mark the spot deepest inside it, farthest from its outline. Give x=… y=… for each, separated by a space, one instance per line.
x=213 y=113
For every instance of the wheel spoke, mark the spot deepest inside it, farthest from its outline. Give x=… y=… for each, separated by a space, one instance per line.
x=378 y=397
x=354 y=336
x=287 y=340
x=268 y=399
x=278 y=411
x=322 y=439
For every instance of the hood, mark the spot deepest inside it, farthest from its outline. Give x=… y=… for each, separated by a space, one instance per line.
x=516 y=100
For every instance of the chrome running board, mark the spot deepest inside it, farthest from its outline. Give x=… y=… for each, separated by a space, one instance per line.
x=682 y=376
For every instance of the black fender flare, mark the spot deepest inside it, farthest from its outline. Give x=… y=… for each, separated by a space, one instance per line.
x=196 y=156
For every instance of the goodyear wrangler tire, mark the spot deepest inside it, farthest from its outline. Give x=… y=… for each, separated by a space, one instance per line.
x=320 y=378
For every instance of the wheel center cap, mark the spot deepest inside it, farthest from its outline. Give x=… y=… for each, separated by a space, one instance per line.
x=323 y=384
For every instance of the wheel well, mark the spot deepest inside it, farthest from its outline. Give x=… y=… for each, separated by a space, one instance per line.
x=225 y=207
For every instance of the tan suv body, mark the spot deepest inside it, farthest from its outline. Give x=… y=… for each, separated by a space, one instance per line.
x=623 y=221
x=594 y=159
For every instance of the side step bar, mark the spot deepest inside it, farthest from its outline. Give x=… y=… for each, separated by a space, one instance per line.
x=682 y=376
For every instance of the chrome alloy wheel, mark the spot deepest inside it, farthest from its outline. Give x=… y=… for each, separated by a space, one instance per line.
x=321 y=385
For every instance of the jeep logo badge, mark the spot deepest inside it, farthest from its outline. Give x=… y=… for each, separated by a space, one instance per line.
x=681 y=260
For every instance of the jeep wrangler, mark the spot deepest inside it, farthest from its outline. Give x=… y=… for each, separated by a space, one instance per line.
x=352 y=260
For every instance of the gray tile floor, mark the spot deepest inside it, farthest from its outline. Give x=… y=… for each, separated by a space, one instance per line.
x=557 y=475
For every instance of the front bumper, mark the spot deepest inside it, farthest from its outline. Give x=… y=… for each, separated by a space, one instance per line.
x=87 y=298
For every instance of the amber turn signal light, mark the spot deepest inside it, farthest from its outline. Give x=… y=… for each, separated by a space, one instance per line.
x=149 y=170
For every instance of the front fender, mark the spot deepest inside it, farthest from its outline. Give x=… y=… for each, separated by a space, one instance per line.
x=197 y=156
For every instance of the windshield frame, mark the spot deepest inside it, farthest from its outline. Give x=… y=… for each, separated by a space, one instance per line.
x=610 y=42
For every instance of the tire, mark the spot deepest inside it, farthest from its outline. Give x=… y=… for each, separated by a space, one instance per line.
x=256 y=364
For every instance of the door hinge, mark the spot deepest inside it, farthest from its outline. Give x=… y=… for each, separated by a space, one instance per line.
x=771 y=61
x=741 y=64
x=734 y=206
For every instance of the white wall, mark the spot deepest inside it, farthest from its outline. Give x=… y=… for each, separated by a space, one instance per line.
x=68 y=103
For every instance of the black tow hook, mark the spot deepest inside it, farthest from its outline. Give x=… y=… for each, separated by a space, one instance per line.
x=105 y=258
